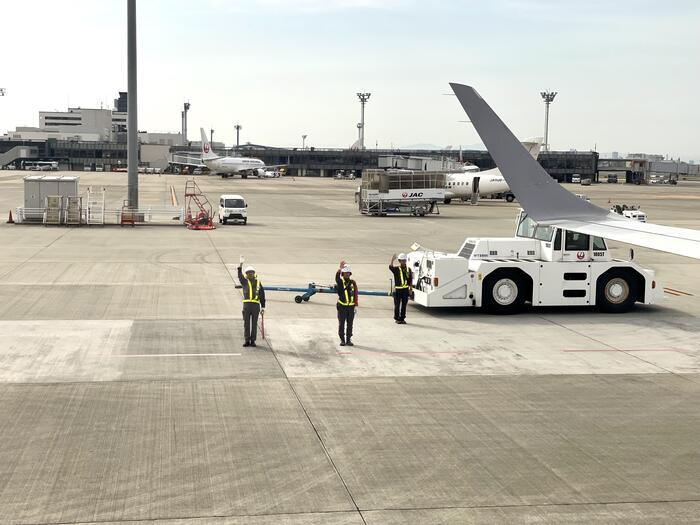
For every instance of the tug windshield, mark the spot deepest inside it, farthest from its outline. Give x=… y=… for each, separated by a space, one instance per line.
x=529 y=229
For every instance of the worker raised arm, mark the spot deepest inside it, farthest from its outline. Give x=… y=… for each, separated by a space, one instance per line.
x=241 y=277
x=338 y=280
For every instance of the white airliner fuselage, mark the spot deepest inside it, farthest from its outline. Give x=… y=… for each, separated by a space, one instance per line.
x=461 y=185
x=471 y=185
x=230 y=165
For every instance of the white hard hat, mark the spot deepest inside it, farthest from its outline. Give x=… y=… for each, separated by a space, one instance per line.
x=346 y=269
x=402 y=257
x=249 y=269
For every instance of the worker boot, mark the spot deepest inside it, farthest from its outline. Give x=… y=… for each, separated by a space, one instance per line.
x=342 y=341
x=246 y=343
x=350 y=343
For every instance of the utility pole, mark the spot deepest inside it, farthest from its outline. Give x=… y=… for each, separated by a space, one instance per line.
x=132 y=135
x=548 y=97
x=364 y=97
x=186 y=108
x=211 y=138
x=238 y=128
x=303 y=142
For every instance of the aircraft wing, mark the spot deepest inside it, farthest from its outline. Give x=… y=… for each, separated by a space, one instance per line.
x=681 y=241
x=547 y=202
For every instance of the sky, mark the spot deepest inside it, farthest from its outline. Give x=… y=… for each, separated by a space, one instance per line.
x=626 y=72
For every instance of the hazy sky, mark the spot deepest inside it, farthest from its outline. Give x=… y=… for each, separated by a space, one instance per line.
x=627 y=72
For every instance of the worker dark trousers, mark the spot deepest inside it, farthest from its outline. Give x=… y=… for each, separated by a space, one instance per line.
x=400 y=302
x=251 y=311
x=346 y=315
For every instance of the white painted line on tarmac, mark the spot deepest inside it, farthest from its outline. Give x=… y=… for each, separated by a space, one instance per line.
x=175 y=355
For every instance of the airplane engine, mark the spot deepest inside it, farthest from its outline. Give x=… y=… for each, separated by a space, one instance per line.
x=260 y=172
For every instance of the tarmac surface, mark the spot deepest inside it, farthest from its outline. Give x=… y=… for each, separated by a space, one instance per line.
x=126 y=395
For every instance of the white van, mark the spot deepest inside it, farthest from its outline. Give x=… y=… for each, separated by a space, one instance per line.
x=233 y=208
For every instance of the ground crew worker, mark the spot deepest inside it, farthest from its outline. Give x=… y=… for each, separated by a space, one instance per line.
x=347 y=302
x=253 y=302
x=403 y=286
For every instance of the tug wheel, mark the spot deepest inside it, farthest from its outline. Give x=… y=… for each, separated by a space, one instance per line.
x=616 y=291
x=504 y=292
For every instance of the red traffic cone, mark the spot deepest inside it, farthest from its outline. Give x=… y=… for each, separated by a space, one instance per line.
x=10 y=220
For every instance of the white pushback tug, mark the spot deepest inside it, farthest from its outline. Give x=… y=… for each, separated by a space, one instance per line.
x=542 y=265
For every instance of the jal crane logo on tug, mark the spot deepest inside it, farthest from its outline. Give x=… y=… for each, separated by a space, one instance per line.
x=580 y=255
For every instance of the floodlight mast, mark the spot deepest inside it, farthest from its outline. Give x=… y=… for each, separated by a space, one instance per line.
x=548 y=97
x=132 y=128
x=238 y=128
x=186 y=108
x=364 y=97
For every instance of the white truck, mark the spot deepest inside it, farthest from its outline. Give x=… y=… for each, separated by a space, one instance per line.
x=542 y=265
x=233 y=208
x=631 y=212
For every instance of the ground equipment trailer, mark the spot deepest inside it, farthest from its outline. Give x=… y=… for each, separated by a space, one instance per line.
x=542 y=265
x=400 y=192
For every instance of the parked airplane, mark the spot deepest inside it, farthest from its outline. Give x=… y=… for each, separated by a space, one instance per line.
x=548 y=203
x=471 y=185
x=229 y=166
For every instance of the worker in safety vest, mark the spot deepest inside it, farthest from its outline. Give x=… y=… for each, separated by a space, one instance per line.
x=403 y=286
x=253 y=302
x=347 y=302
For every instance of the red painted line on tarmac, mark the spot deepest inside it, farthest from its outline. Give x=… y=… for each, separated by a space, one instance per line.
x=384 y=354
x=672 y=293
x=679 y=350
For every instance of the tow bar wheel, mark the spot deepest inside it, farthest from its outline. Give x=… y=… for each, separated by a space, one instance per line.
x=505 y=292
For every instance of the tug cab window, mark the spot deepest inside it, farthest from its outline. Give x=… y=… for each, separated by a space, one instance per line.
x=526 y=228
x=576 y=242
x=544 y=233
x=599 y=244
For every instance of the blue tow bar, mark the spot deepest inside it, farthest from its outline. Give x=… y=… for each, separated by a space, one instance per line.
x=313 y=288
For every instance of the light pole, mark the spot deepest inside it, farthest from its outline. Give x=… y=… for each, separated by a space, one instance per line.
x=548 y=97
x=186 y=108
x=132 y=128
x=211 y=138
x=364 y=97
x=238 y=128
x=303 y=142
